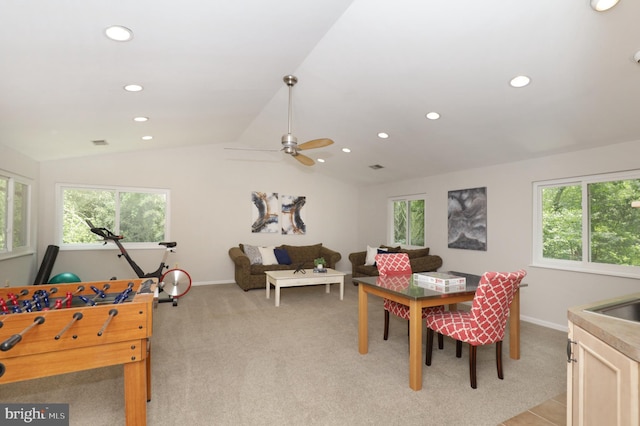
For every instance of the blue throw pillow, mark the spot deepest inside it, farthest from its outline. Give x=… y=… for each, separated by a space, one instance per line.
x=282 y=256
x=380 y=251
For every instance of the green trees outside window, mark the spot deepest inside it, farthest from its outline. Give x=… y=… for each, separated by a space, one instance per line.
x=15 y=198
x=408 y=222
x=591 y=220
x=138 y=215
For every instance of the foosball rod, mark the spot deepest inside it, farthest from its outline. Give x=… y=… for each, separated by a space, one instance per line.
x=68 y=298
x=76 y=317
x=16 y=338
x=112 y=313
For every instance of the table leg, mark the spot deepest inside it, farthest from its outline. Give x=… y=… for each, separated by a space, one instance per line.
x=514 y=326
x=415 y=346
x=135 y=393
x=363 y=321
x=268 y=288
x=341 y=288
x=328 y=288
x=277 y=293
x=148 y=368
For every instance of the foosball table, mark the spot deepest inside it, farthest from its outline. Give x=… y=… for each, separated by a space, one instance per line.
x=52 y=329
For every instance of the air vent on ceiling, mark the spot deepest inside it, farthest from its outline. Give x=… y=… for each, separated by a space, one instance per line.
x=377 y=167
x=100 y=142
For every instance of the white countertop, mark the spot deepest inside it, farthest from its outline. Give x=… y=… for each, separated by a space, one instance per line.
x=621 y=334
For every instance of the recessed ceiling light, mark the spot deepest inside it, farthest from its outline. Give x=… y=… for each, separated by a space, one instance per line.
x=140 y=119
x=602 y=5
x=147 y=138
x=119 y=33
x=432 y=115
x=383 y=135
x=320 y=160
x=520 y=81
x=346 y=150
x=133 y=88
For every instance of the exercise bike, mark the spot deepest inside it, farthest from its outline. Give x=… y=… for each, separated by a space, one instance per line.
x=174 y=282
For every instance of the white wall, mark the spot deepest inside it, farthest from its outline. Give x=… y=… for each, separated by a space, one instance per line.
x=210 y=208
x=509 y=226
x=21 y=270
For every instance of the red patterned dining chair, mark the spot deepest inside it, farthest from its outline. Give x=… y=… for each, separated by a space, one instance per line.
x=484 y=324
x=395 y=264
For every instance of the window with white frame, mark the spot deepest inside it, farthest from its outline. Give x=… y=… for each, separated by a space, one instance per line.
x=587 y=224
x=15 y=209
x=141 y=215
x=407 y=221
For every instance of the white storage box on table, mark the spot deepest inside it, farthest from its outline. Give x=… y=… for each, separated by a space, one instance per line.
x=440 y=281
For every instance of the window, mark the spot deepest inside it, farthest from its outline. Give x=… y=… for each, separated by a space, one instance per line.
x=15 y=204
x=140 y=215
x=588 y=224
x=407 y=221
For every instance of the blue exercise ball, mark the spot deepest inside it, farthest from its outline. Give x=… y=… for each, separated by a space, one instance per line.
x=65 y=277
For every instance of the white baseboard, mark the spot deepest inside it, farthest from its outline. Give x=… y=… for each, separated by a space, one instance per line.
x=547 y=324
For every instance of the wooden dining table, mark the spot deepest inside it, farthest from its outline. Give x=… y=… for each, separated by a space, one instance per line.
x=403 y=289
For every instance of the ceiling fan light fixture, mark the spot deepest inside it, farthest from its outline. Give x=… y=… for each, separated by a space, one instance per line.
x=603 y=5
x=383 y=135
x=432 y=115
x=320 y=160
x=118 y=33
x=347 y=150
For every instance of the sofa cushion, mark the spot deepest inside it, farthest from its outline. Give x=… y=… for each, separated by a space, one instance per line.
x=260 y=269
x=252 y=253
x=268 y=256
x=282 y=256
x=413 y=254
x=301 y=254
x=366 y=270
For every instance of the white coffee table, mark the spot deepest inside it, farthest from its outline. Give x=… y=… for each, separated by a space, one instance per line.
x=290 y=279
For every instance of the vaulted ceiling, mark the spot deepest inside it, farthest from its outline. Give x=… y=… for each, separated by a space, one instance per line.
x=212 y=74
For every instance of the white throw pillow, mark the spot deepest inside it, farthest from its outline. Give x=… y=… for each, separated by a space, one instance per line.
x=371 y=255
x=268 y=256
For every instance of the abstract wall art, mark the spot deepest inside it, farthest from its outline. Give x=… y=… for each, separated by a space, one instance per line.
x=293 y=218
x=467 y=217
x=264 y=214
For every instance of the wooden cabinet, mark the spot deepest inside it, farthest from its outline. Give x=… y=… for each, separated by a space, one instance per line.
x=602 y=383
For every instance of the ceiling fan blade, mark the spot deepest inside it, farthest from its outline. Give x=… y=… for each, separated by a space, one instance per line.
x=304 y=159
x=316 y=143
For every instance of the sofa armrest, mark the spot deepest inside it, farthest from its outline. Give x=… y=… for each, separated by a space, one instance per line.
x=358 y=258
x=332 y=257
x=239 y=258
x=428 y=263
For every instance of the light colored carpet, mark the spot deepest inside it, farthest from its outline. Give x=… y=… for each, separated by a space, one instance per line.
x=229 y=357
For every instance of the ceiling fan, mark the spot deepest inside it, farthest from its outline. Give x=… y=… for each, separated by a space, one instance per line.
x=290 y=142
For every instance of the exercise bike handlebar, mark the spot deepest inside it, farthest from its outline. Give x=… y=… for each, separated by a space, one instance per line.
x=104 y=232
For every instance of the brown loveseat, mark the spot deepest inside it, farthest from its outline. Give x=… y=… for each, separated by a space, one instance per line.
x=250 y=276
x=420 y=259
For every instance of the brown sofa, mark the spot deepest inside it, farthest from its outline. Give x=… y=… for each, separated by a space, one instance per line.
x=250 y=276
x=420 y=259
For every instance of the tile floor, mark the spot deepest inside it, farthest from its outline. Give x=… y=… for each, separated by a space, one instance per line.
x=552 y=412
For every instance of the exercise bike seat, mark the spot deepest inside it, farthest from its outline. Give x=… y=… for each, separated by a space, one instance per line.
x=168 y=245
